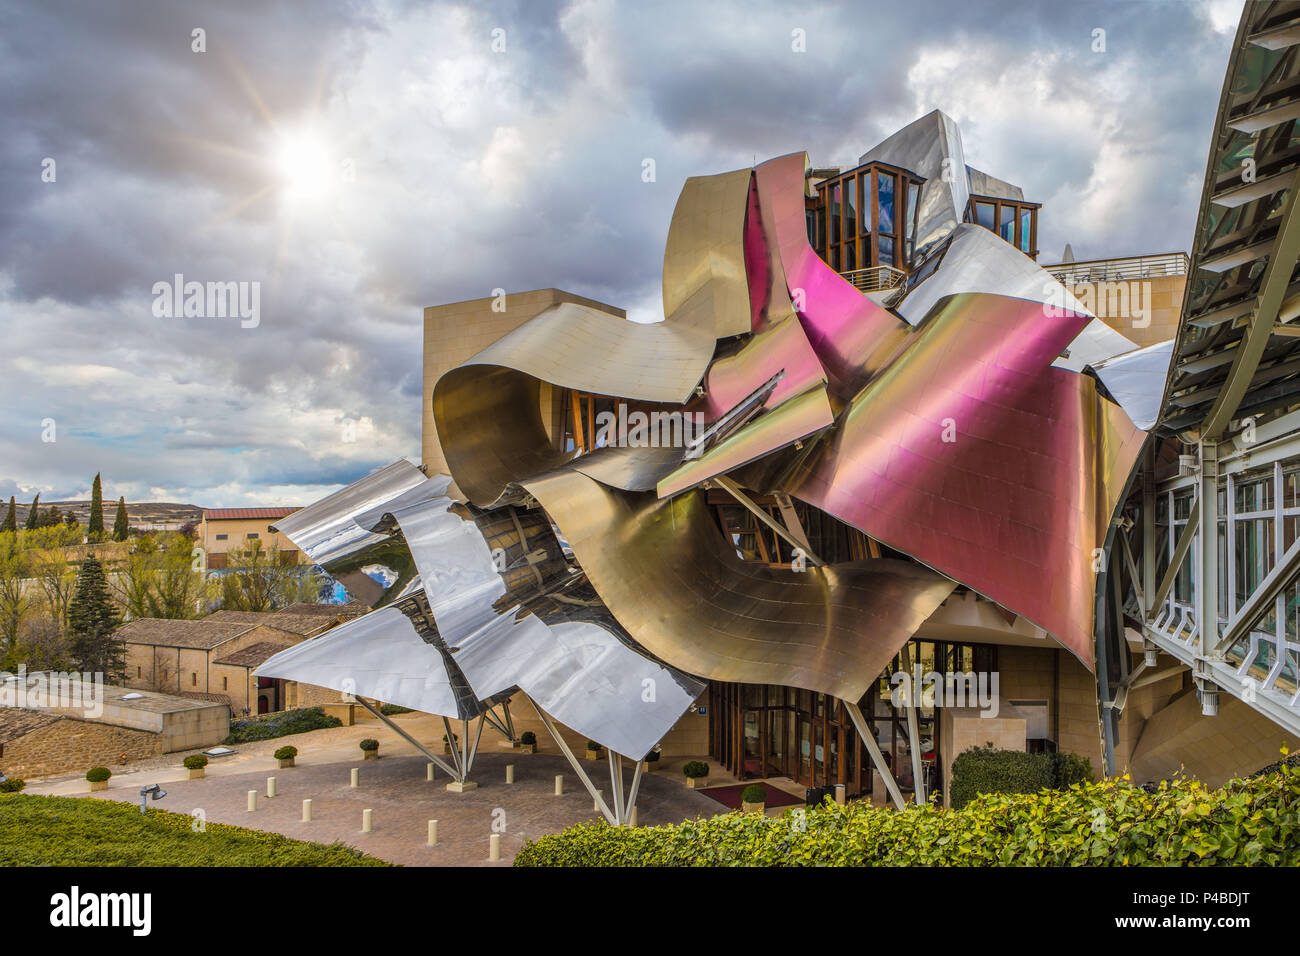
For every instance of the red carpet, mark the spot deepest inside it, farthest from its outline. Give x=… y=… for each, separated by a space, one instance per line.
x=730 y=796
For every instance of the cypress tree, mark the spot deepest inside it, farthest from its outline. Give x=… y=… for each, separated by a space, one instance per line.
x=50 y=517
x=11 y=517
x=119 y=520
x=33 y=514
x=92 y=619
x=96 y=527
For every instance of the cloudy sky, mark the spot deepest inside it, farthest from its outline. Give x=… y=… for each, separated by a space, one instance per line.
x=362 y=160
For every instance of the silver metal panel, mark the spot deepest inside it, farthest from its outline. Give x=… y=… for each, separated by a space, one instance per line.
x=381 y=656
x=1136 y=381
x=580 y=672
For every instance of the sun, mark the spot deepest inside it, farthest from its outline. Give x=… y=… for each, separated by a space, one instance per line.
x=305 y=167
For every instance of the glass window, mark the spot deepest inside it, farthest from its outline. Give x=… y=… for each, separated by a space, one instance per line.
x=850 y=205
x=850 y=255
x=1254 y=493
x=835 y=258
x=1253 y=549
x=810 y=217
x=984 y=214
x=222 y=537
x=1291 y=487
x=864 y=207
x=835 y=213
x=251 y=534
x=886 y=250
x=885 y=204
x=1026 y=231
x=1007 y=224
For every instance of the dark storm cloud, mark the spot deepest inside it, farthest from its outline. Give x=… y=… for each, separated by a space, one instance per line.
x=476 y=170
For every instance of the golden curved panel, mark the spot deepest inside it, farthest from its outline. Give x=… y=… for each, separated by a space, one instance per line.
x=664 y=570
x=706 y=248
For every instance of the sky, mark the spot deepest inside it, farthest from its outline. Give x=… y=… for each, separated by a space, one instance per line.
x=354 y=162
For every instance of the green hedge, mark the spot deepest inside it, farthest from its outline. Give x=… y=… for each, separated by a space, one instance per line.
x=985 y=770
x=280 y=725
x=1112 y=823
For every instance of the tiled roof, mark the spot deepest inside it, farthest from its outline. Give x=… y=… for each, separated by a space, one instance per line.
x=305 y=620
x=203 y=634
x=229 y=514
x=254 y=654
x=16 y=722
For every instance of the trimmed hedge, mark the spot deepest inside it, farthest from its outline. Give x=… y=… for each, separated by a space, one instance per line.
x=985 y=770
x=368 y=744
x=696 y=769
x=393 y=710
x=195 y=762
x=753 y=794
x=280 y=725
x=12 y=785
x=1113 y=823
x=286 y=753
x=98 y=774
x=527 y=738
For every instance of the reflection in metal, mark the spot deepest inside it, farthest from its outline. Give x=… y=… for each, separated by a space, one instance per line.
x=1136 y=380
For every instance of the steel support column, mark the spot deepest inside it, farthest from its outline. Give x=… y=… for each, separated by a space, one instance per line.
x=873 y=748
x=408 y=738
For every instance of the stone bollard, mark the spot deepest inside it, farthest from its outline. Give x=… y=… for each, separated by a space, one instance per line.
x=356 y=777
x=306 y=811
x=510 y=773
x=559 y=784
x=428 y=771
x=840 y=794
x=270 y=787
x=632 y=820
x=433 y=833
x=494 y=847
x=367 y=820
x=252 y=800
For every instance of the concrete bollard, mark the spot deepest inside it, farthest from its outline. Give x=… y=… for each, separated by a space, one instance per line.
x=433 y=833
x=252 y=800
x=559 y=784
x=270 y=787
x=428 y=771
x=510 y=773
x=840 y=794
x=494 y=847
x=595 y=804
x=367 y=820
x=632 y=821
x=356 y=777
x=306 y=811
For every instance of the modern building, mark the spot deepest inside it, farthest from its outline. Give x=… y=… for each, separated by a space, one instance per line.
x=879 y=488
x=224 y=530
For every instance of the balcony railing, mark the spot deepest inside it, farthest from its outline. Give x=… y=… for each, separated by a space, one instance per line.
x=875 y=279
x=1114 y=270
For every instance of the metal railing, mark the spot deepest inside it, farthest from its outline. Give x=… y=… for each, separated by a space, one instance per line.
x=875 y=279
x=1126 y=267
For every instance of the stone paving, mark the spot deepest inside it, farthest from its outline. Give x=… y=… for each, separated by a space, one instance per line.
x=395 y=788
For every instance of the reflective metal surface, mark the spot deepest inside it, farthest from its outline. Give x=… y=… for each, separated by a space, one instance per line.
x=1136 y=380
x=665 y=572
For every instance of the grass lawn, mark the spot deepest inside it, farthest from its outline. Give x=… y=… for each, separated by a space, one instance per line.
x=79 y=831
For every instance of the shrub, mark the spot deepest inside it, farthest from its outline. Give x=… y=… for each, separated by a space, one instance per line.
x=652 y=756
x=195 y=762
x=696 y=769
x=98 y=774
x=286 y=753
x=753 y=794
x=280 y=725
x=593 y=746
x=528 y=738
x=12 y=785
x=1111 y=823
x=392 y=710
x=370 y=743
x=985 y=770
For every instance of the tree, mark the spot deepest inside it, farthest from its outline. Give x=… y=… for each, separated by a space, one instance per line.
x=163 y=581
x=11 y=517
x=119 y=520
x=261 y=580
x=32 y=515
x=92 y=619
x=14 y=601
x=96 y=526
x=51 y=517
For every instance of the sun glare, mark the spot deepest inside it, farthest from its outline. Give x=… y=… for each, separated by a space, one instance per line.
x=305 y=168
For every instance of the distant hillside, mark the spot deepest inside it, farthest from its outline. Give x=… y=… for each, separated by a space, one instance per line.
x=165 y=514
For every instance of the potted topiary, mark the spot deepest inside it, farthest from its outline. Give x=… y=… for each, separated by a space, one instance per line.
x=285 y=755
x=753 y=799
x=448 y=744
x=650 y=761
x=12 y=784
x=195 y=764
x=370 y=747
x=528 y=742
x=697 y=774
x=98 y=777
x=593 y=750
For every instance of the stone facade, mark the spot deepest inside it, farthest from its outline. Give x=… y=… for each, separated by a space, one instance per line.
x=67 y=744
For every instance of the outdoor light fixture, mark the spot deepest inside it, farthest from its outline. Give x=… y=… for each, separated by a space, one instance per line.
x=154 y=791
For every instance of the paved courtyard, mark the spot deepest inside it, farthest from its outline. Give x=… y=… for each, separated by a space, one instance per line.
x=395 y=788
